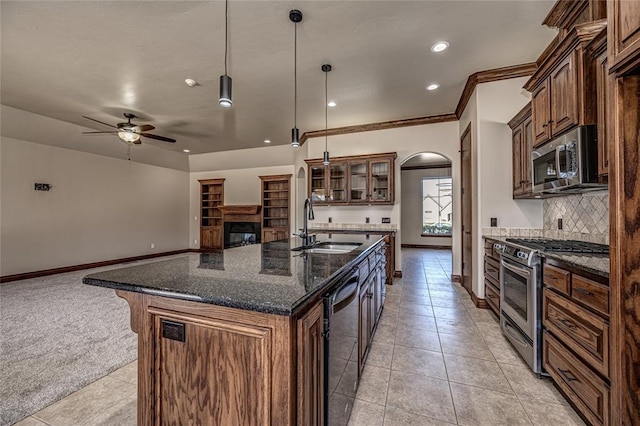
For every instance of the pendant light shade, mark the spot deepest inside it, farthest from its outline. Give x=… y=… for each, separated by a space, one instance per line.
x=325 y=158
x=295 y=16
x=225 y=99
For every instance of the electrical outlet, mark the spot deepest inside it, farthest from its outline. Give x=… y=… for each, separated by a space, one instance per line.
x=153 y=245
x=42 y=187
x=329 y=219
x=366 y=220
x=386 y=220
x=559 y=223
x=494 y=222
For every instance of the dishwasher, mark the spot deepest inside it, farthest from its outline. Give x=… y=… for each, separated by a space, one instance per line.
x=341 y=350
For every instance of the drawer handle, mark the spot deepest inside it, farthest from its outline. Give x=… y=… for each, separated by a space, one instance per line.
x=491 y=270
x=567 y=323
x=490 y=296
x=567 y=376
x=583 y=291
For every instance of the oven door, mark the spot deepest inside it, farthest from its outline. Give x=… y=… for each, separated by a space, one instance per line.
x=517 y=295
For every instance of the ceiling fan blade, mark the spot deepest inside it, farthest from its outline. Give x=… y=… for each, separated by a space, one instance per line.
x=98 y=121
x=160 y=138
x=91 y=133
x=144 y=128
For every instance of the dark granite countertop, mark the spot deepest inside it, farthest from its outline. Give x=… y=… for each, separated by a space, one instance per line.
x=597 y=264
x=266 y=277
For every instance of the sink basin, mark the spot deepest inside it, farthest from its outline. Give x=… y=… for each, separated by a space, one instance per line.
x=331 y=248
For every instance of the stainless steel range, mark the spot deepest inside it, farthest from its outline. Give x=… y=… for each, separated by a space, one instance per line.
x=521 y=290
x=520 y=301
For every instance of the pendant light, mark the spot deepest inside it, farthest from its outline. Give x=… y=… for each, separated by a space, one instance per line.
x=295 y=16
x=225 y=100
x=326 y=68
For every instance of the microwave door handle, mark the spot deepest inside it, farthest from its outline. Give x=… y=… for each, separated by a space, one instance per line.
x=517 y=270
x=558 y=168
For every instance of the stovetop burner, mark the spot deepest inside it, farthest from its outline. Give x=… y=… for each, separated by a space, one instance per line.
x=557 y=246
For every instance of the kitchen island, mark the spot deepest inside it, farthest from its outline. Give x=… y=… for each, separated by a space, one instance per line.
x=237 y=336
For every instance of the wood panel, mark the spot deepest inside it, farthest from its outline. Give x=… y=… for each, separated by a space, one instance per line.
x=556 y=278
x=467 y=197
x=541 y=113
x=564 y=95
x=624 y=213
x=311 y=368
x=220 y=374
x=492 y=297
x=516 y=176
x=591 y=293
x=624 y=36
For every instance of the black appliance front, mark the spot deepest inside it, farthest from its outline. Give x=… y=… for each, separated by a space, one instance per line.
x=341 y=351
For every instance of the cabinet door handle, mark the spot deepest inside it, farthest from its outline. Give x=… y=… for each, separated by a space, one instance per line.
x=545 y=124
x=567 y=376
x=550 y=121
x=583 y=291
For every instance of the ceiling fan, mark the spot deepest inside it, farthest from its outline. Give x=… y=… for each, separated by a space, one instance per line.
x=130 y=132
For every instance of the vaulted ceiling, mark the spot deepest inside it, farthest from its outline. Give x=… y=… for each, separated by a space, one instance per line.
x=66 y=59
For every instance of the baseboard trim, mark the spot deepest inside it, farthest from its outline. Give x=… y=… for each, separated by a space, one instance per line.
x=53 y=271
x=397 y=274
x=425 y=246
x=456 y=278
x=480 y=303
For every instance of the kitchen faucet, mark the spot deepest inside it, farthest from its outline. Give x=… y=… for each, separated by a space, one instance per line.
x=307 y=240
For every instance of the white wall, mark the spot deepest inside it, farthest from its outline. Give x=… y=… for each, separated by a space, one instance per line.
x=412 y=207
x=99 y=208
x=441 y=138
x=491 y=107
x=241 y=186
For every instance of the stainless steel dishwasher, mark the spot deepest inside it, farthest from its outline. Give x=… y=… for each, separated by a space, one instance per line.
x=341 y=350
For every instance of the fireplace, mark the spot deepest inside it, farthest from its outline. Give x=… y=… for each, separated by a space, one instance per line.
x=241 y=233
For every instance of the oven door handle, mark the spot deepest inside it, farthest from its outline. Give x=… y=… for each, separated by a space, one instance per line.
x=508 y=328
x=516 y=269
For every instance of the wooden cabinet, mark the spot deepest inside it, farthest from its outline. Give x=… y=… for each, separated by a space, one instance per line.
x=522 y=139
x=624 y=36
x=563 y=85
x=576 y=353
x=366 y=179
x=492 y=276
x=211 y=225
x=365 y=321
x=605 y=84
x=276 y=205
x=311 y=367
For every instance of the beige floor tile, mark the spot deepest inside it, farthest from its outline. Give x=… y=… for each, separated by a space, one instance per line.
x=502 y=350
x=482 y=407
x=385 y=334
x=546 y=413
x=458 y=313
x=476 y=372
x=380 y=355
x=459 y=326
x=418 y=310
x=122 y=414
x=348 y=380
x=470 y=346
x=421 y=395
x=373 y=385
x=366 y=414
x=416 y=291
x=101 y=398
x=397 y=417
x=419 y=322
x=414 y=300
x=420 y=339
x=526 y=384
x=446 y=302
x=30 y=421
x=128 y=373
x=418 y=361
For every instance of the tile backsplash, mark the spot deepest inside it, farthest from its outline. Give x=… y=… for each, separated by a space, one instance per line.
x=585 y=217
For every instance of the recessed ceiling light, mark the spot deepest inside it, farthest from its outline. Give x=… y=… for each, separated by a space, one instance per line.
x=331 y=104
x=185 y=150
x=439 y=46
x=267 y=141
x=433 y=86
x=191 y=82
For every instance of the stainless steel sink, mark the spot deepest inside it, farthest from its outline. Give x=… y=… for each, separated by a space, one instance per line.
x=331 y=248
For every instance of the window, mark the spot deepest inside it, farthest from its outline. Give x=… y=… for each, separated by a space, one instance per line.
x=436 y=205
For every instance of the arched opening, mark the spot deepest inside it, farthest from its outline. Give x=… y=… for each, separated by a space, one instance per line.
x=426 y=201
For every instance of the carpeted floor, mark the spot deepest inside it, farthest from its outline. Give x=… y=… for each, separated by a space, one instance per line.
x=57 y=335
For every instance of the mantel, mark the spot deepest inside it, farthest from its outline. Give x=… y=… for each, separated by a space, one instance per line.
x=241 y=213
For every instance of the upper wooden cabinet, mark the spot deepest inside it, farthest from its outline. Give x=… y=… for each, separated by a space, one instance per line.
x=563 y=86
x=624 y=36
x=522 y=138
x=363 y=179
x=605 y=84
x=211 y=226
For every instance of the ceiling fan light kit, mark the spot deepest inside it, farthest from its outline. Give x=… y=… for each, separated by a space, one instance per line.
x=326 y=68
x=129 y=136
x=225 y=99
x=130 y=132
x=295 y=16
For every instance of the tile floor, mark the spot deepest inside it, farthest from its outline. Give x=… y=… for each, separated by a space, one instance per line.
x=436 y=360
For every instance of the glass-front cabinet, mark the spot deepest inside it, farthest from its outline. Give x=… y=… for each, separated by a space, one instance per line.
x=364 y=179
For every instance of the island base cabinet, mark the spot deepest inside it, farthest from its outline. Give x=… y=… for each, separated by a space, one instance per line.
x=311 y=368
x=212 y=365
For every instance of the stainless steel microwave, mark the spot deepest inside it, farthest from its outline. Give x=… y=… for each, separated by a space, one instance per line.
x=567 y=164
